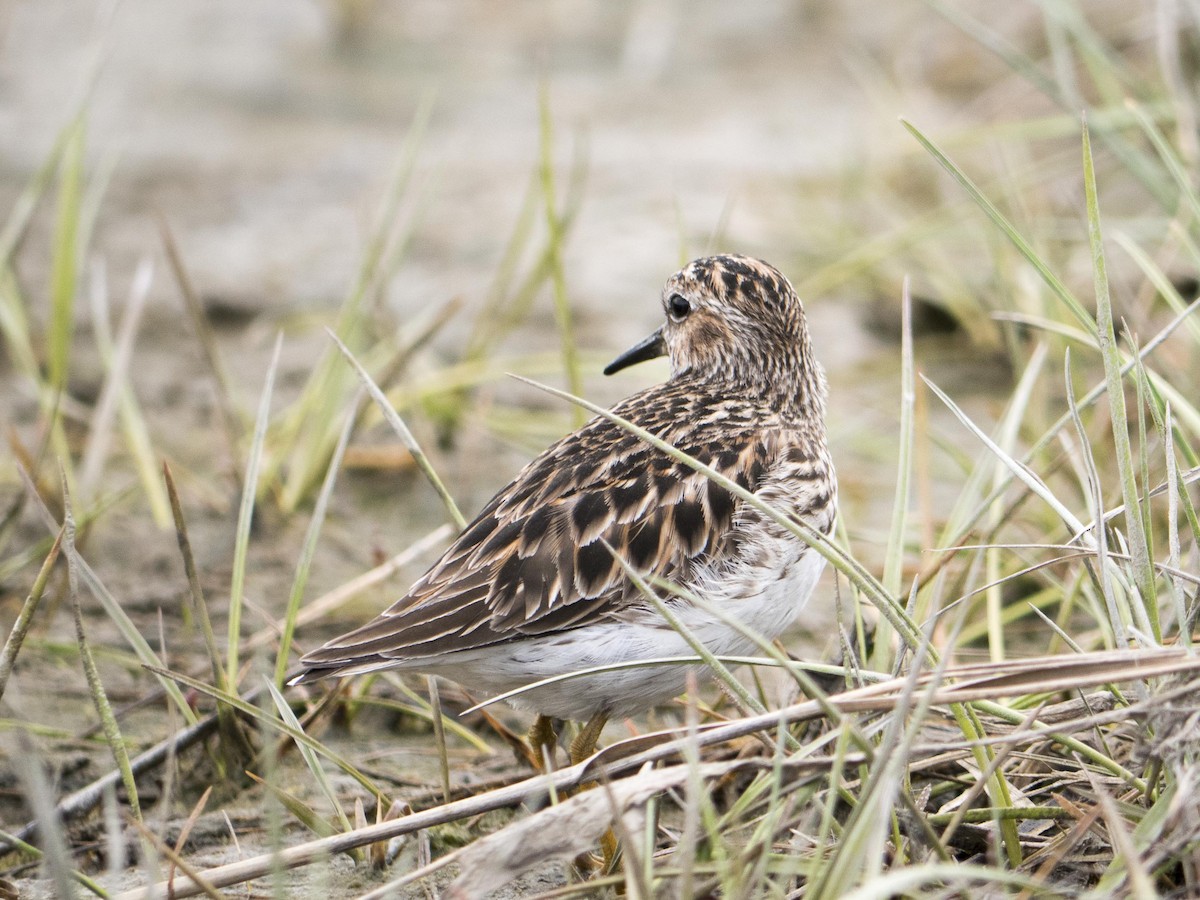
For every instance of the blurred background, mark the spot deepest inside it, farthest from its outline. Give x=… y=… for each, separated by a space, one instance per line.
x=280 y=142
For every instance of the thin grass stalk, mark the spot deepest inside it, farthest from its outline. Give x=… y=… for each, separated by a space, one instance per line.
x=311 y=761
x=257 y=714
x=245 y=518
x=1134 y=524
x=1117 y=626
x=112 y=731
x=558 y=280
x=1174 y=554
x=1022 y=472
x=130 y=632
x=117 y=358
x=20 y=628
x=199 y=605
x=998 y=218
x=406 y=436
x=309 y=548
x=893 y=561
x=744 y=699
x=66 y=254
x=231 y=423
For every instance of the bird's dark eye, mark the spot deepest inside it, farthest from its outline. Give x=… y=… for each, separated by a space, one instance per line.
x=678 y=307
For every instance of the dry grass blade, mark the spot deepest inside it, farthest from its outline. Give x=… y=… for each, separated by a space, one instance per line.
x=230 y=419
x=195 y=591
x=960 y=685
x=562 y=832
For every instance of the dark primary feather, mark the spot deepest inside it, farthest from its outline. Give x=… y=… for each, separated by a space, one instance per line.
x=534 y=560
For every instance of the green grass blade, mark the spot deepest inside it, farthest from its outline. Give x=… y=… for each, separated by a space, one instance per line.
x=12 y=646
x=1021 y=471
x=1134 y=524
x=108 y=721
x=309 y=754
x=246 y=517
x=129 y=631
x=63 y=273
x=998 y=218
x=893 y=561
x=410 y=441
x=310 y=545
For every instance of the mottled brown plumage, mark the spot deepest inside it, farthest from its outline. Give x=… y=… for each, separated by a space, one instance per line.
x=531 y=587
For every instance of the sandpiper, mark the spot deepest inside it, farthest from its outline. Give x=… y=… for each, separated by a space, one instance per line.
x=532 y=587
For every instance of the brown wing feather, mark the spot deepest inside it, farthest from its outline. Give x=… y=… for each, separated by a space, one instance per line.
x=535 y=561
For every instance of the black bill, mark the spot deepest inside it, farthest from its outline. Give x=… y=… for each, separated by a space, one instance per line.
x=651 y=347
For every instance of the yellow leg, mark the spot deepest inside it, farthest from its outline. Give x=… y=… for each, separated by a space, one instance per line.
x=584 y=744
x=542 y=735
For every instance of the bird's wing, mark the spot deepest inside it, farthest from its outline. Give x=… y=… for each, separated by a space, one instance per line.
x=537 y=558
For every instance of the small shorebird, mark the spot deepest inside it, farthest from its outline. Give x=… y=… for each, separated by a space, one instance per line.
x=531 y=588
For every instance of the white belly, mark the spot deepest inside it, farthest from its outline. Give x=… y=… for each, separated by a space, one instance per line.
x=765 y=597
